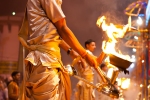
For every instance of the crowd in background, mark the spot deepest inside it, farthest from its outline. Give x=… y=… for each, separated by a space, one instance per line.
x=9 y=88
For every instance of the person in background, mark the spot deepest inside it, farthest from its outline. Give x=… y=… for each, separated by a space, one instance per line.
x=3 y=91
x=116 y=85
x=121 y=97
x=85 y=91
x=104 y=68
x=13 y=86
x=99 y=95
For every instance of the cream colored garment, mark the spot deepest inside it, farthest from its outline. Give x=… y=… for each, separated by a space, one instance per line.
x=46 y=78
x=48 y=54
x=42 y=79
x=100 y=95
x=85 y=91
x=41 y=16
x=42 y=83
x=38 y=29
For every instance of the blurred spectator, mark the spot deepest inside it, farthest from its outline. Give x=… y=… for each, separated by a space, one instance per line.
x=3 y=91
x=116 y=84
x=104 y=68
x=6 y=77
x=13 y=86
x=85 y=91
x=99 y=95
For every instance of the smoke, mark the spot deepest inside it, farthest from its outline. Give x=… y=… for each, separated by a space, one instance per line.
x=132 y=92
x=134 y=89
x=82 y=15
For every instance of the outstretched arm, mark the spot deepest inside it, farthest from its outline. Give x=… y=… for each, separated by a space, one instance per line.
x=68 y=36
x=101 y=57
x=68 y=49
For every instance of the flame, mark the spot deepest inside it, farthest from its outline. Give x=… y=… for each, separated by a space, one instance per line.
x=113 y=32
x=125 y=83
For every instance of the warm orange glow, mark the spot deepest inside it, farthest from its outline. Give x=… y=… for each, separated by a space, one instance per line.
x=119 y=81
x=113 y=32
x=108 y=47
x=124 y=83
x=110 y=72
x=121 y=98
x=141 y=85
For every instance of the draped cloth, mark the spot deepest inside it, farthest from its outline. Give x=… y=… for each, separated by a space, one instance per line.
x=84 y=90
x=45 y=76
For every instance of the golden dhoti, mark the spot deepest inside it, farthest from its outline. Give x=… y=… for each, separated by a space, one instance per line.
x=46 y=78
x=43 y=83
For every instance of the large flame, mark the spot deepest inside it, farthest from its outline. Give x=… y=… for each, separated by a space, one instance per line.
x=113 y=32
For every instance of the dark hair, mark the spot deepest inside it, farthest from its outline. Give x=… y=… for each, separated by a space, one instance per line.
x=116 y=83
x=14 y=73
x=102 y=65
x=88 y=42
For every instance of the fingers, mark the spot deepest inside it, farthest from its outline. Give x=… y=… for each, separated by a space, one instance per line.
x=83 y=63
x=91 y=60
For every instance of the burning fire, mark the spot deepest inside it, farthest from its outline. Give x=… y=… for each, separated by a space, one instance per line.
x=113 y=32
x=125 y=83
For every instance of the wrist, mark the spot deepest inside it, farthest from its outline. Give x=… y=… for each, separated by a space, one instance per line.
x=69 y=50
x=27 y=47
x=84 y=54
